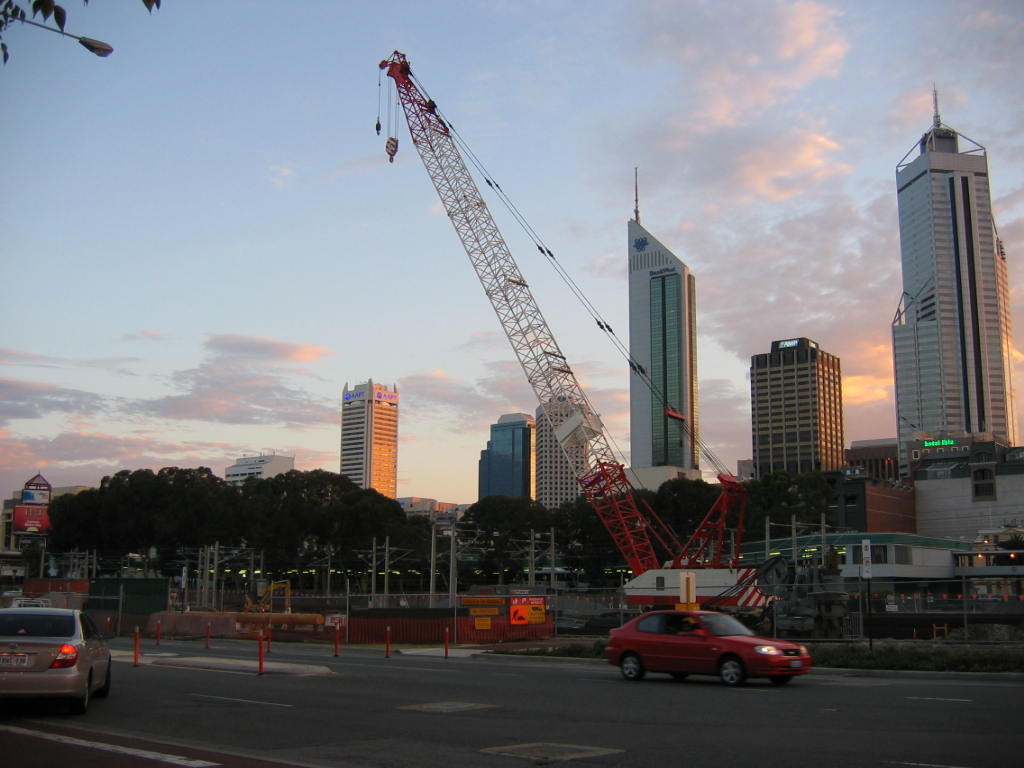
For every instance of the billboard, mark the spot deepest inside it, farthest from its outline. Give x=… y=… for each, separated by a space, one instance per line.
x=31 y=519
x=35 y=496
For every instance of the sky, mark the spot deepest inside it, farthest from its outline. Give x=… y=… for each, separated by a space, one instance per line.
x=203 y=240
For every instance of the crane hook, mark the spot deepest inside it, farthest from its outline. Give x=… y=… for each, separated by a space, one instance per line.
x=391 y=147
x=378 y=126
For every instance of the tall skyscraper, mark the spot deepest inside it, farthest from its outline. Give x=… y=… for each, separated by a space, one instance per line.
x=556 y=471
x=507 y=464
x=369 y=437
x=663 y=342
x=796 y=408
x=952 y=337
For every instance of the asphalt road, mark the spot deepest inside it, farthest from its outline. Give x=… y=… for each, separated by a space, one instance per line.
x=362 y=710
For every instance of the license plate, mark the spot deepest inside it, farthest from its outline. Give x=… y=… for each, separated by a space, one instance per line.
x=13 y=660
x=796 y=663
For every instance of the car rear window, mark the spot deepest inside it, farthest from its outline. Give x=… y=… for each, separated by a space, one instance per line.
x=29 y=625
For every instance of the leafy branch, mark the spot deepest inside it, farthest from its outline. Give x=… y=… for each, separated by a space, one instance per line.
x=12 y=12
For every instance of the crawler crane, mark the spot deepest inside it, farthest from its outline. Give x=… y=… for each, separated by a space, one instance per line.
x=649 y=546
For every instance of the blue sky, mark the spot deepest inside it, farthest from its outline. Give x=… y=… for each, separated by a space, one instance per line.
x=203 y=240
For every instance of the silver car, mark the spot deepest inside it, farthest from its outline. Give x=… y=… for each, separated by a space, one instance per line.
x=52 y=653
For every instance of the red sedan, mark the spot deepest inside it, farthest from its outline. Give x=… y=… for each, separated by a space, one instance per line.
x=682 y=643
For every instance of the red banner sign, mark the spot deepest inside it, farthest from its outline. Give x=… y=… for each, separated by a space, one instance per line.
x=31 y=519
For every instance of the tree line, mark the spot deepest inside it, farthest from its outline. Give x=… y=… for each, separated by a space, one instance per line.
x=298 y=519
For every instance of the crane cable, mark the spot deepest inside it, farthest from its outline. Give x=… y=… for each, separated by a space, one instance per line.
x=574 y=288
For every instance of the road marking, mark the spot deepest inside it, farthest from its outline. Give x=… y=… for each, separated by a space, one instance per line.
x=242 y=701
x=445 y=707
x=923 y=765
x=936 y=698
x=543 y=752
x=143 y=753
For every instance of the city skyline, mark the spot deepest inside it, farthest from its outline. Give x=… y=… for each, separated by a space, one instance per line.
x=201 y=248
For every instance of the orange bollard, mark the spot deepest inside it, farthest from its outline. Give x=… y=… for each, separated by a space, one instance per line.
x=337 y=638
x=261 y=652
x=387 y=643
x=136 y=647
x=446 y=642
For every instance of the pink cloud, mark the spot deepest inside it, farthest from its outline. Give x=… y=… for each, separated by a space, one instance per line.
x=738 y=76
x=260 y=348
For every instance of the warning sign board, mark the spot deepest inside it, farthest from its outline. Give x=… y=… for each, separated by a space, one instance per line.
x=482 y=622
x=527 y=610
x=467 y=600
x=484 y=611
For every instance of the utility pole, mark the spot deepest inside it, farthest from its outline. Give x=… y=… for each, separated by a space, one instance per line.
x=531 y=578
x=433 y=560
x=452 y=571
x=552 y=558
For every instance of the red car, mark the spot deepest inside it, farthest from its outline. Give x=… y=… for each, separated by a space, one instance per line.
x=685 y=643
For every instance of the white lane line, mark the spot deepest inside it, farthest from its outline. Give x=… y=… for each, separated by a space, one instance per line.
x=922 y=765
x=242 y=701
x=936 y=698
x=143 y=753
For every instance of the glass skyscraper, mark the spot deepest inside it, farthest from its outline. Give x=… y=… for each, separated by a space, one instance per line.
x=952 y=336
x=507 y=464
x=663 y=344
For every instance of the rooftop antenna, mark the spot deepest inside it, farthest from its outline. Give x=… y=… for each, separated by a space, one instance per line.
x=636 y=195
x=935 y=104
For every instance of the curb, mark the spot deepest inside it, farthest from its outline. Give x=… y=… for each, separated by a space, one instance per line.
x=224 y=665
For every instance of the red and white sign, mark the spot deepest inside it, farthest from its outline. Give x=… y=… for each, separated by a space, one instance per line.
x=526 y=610
x=31 y=519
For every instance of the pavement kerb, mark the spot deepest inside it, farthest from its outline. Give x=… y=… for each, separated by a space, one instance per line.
x=221 y=664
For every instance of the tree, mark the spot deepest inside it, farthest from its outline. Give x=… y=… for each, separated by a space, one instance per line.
x=14 y=13
x=584 y=542
x=504 y=523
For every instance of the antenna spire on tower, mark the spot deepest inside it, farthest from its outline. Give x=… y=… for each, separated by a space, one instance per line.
x=935 y=104
x=636 y=195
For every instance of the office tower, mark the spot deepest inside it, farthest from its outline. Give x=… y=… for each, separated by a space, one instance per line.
x=663 y=347
x=369 y=437
x=262 y=466
x=952 y=337
x=507 y=464
x=556 y=476
x=796 y=407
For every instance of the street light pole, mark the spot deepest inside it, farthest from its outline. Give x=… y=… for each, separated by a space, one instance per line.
x=97 y=47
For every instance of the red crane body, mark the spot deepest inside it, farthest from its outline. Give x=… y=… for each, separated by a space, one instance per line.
x=635 y=531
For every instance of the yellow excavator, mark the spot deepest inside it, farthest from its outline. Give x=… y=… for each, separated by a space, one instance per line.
x=267 y=597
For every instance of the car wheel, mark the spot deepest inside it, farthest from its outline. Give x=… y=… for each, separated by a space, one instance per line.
x=679 y=675
x=631 y=667
x=80 y=704
x=731 y=671
x=104 y=690
x=780 y=679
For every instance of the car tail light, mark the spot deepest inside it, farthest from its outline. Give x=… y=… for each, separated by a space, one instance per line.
x=67 y=656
